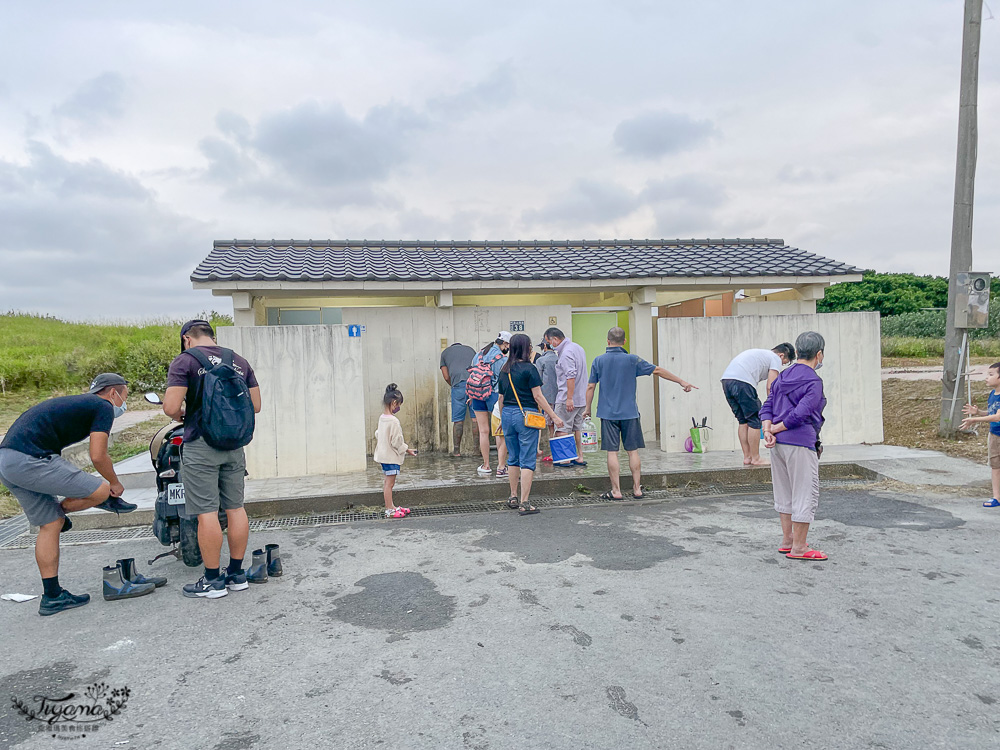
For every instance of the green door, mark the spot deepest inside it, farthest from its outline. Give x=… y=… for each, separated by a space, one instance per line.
x=590 y=330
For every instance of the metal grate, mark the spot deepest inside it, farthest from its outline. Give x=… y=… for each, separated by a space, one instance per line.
x=26 y=539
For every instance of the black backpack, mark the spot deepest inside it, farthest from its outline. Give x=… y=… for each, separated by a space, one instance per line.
x=226 y=417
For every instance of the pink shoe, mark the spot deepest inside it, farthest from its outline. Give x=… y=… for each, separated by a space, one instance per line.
x=397 y=512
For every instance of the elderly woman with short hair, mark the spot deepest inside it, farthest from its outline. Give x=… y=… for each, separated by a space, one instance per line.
x=792 y=418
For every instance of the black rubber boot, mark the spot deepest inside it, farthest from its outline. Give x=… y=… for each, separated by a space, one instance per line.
x=117 y=587
x=258 y=567
x=129 y=574
x=273 y=561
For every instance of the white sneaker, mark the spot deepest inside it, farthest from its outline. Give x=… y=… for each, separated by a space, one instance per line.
x=483 y=471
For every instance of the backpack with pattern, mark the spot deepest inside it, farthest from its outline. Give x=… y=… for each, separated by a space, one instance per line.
x=480 y=383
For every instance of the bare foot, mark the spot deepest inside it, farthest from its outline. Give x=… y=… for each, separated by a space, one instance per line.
x=746 y=461
x=756 y=462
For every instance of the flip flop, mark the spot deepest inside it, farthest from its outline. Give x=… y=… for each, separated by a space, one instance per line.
x=814 y=554
x=784 y=550
x=529 y=511
x=547 y=460
x=608 y=496
x=641 y=494
x=578 y=462
x=994 y=503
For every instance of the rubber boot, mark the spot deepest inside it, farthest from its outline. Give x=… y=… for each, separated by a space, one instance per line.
x=258 y=567
x=129 y=574
x=273 y=561
x=117 y=587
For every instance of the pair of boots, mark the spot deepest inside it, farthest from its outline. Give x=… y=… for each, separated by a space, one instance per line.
x=121 y=581
x=266 y=563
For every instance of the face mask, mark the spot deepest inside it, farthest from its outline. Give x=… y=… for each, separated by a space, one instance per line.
x=395 y=409
x=819 y=365
x=119 y=410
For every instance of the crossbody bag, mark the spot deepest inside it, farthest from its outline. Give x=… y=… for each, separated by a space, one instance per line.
x=531 y=419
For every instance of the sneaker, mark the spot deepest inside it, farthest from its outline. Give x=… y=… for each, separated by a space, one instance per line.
x=483 y=471
x=502 y=472
x=117 y=505
x=237 y=581
x=206 y=589
x=65 y=600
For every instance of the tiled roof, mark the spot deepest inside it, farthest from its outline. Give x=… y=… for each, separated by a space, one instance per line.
x=250 y=260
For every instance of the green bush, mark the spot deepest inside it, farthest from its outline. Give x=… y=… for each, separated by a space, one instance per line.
x=902 y=346
x=933 y=323
x=41 y=353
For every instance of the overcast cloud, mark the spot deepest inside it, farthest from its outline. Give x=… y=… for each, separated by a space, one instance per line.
x=138 y=134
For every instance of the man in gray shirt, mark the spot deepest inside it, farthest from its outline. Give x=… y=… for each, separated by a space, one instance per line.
x=545 y=363
x=455 y=363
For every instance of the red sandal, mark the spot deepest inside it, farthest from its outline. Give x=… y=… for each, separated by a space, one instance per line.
x=814 y=554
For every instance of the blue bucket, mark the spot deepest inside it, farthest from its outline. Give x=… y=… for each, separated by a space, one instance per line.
x=563 y=448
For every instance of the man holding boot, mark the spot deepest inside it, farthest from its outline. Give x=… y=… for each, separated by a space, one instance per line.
x=32 y=468
x=207 y=381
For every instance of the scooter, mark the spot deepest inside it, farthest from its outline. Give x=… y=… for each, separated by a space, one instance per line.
x=172 y=524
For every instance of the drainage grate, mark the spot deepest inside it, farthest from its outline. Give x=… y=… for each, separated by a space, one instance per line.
x=26 y=539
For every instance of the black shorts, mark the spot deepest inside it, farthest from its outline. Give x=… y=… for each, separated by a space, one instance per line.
x=743 y=400
x=625 y=433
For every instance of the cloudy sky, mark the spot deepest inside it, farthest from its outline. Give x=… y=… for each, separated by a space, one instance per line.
x=132 y=135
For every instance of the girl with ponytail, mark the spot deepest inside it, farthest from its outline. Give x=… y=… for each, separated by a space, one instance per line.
x=390 y=448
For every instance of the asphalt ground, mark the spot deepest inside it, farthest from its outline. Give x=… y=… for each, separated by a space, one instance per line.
x=656 y=625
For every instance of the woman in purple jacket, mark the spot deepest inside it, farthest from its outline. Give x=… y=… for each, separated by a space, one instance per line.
x=793 y=417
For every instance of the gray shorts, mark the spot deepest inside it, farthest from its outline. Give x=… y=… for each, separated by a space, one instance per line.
x=212 y=478
x=38 y=483
x=795 y=476
x=572 y=421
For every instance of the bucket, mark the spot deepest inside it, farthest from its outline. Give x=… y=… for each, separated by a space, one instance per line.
x=563 y=448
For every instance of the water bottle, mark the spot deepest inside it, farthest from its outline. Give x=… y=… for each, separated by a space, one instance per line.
x=588 y=436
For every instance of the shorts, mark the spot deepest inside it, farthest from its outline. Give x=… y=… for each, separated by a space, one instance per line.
x=213 y=479
x=795 y=476
x=391 y=470
x=993 y=449
x=38 y=483
x=572 y=422
x=522 y=441
x=744 y=402
x=625 y=433
x=478 y=404
x=460 y=404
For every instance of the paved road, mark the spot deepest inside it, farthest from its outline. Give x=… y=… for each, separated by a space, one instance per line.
x=626 y=626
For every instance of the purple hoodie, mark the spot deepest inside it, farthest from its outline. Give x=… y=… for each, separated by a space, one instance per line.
x=796 y=400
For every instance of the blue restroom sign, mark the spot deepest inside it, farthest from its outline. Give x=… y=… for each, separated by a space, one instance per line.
x=354 y=331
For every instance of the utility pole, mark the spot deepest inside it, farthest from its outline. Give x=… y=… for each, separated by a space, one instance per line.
x=953 y=380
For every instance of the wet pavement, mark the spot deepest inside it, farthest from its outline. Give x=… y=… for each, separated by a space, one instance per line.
x=663 y=624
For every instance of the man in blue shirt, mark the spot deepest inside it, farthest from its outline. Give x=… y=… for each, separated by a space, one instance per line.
x=616 y=370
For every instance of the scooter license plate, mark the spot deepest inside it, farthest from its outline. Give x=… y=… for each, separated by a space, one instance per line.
x=175 y=494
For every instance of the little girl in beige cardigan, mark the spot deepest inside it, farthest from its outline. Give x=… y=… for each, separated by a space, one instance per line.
x=390 y=448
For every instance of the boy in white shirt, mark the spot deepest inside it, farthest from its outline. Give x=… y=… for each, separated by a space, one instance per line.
x=739 y=383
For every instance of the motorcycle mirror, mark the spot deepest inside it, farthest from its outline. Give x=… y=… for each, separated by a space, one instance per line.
x=152 y=398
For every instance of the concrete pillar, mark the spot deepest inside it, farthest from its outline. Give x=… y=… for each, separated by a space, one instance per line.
x=243 y=312
x=641 y=337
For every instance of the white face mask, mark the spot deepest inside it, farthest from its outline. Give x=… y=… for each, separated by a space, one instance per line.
x=119 y=410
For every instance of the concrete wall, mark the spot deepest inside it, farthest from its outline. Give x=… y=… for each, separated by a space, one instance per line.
x=403 y=345
x=700 y=349
x=776 y=307
x=313 y=415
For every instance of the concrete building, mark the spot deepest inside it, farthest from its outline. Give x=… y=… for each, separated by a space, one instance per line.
x=403 y=302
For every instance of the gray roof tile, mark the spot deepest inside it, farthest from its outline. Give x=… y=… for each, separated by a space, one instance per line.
x=353 y=260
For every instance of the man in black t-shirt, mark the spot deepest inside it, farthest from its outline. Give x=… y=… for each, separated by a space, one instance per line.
x=213 y=478
x=34 y=472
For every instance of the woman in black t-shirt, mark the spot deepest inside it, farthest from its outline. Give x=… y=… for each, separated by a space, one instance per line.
x=519 y=381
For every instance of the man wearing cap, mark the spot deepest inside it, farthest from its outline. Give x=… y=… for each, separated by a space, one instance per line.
x=571 y=374
x=213 y=478
x=32 y=468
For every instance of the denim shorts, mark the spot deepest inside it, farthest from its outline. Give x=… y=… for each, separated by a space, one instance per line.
x=478 y=404
x=391 y=470
x=522 y=442
x=460 y=404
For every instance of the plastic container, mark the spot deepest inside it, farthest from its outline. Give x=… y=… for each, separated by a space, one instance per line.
x=563 y=448
x=588 y=436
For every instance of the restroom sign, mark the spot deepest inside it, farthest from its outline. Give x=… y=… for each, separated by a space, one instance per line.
x=354 y=331
x=516 y=325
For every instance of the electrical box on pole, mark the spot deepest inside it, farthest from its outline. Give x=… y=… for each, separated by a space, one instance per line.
x=972 y=303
